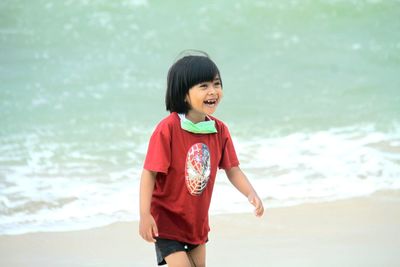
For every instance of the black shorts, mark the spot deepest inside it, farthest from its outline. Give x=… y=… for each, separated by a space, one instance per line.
x=165 y=247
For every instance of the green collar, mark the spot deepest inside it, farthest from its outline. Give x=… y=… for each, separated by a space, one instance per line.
x=203 y=127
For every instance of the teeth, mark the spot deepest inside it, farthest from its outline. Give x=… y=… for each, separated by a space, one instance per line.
x=210 y=102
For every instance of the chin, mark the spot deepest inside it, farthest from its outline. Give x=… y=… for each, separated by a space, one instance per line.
x=210 y=112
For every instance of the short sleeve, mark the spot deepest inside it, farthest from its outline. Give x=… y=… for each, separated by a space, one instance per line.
x=229 y=158
x=158 y=155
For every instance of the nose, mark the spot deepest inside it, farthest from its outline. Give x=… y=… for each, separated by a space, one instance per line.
x=212 y=90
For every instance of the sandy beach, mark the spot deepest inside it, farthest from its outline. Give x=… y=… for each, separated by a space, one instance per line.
x=361 y=231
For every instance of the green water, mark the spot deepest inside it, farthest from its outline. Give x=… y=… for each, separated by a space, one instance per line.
x=290 y=65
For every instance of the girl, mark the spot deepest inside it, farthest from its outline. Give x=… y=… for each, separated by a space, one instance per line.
x=184 y=152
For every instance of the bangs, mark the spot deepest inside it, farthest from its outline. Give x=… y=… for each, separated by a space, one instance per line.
x=200 y=69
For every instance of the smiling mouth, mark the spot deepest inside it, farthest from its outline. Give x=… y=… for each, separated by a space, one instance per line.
x=211 y=102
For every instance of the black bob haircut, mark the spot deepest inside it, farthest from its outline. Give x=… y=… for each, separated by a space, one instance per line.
x=185 y=73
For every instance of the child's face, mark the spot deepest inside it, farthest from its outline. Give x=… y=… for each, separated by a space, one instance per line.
x=205 y=97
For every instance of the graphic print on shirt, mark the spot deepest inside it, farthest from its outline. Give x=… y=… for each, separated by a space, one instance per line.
x=197 y=168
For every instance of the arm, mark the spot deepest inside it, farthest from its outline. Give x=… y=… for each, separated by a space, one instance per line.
x=147 y=226
x=240 y=181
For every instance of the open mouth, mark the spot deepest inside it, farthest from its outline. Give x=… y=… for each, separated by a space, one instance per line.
x=211 y=102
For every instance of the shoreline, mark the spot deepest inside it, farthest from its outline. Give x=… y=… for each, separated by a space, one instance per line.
x=245 y=209
x=361 y=231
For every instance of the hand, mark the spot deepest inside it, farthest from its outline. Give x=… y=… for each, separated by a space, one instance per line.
x=148 y=228
x=257 y=203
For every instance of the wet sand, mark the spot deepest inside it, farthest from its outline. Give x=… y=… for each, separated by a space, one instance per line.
x=354 y=232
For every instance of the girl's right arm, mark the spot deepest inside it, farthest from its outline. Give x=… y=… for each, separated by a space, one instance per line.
x=147 y=226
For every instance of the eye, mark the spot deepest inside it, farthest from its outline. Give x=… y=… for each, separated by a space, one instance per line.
x=217 y=84
x=203 y=86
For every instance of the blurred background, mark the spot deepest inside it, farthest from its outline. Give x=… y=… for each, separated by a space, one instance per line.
x=311 y=96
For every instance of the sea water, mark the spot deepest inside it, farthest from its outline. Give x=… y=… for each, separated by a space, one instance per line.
x=311 y=97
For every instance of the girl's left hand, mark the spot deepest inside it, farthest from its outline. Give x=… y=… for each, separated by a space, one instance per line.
x=257 y=203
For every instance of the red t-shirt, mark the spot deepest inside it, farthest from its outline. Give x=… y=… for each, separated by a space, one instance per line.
x=186 y=166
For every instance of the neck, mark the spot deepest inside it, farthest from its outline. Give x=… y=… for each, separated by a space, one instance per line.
x=195 y=117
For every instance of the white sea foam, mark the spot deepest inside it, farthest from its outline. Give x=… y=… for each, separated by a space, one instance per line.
x=319 y=166
x=302 y=167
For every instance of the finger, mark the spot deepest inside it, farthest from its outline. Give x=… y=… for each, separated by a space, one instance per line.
x=257 y=212
x=256 y=202
x=259 y=204
x=142 y=234
x=258 y=207
x=149 y=236
x=260 y=210
x=155 y=230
